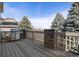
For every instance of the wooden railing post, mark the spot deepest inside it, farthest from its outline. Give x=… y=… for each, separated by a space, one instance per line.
x=33 y=35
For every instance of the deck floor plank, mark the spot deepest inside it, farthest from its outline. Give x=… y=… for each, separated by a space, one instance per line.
x=19 y=51
x=11 y=50
x=32 y=51
x=24 y=51
x=15 y=50
x=8 y=50
x=42 y=50
x=0 y=50
x=28 y=48
x=4 y=50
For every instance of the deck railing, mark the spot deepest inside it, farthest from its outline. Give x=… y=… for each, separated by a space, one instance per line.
x=36 y=35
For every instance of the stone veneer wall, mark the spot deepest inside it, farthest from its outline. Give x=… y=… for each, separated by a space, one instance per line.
x=54 y=40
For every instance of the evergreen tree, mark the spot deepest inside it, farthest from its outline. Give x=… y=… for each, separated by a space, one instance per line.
x=25 y=24
x=72 y=21
x=57 y=23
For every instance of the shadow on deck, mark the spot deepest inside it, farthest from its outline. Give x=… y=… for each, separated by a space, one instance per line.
x=29 y=48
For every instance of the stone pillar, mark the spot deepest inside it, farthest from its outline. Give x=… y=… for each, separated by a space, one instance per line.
x=49 y=38
x=22 y=34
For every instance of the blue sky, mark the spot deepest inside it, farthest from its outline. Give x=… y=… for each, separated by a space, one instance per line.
x=41 y=14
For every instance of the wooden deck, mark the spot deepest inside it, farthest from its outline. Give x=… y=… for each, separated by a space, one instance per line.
x=29 y=48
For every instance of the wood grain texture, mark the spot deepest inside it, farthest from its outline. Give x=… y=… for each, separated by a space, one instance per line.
x=29 y=48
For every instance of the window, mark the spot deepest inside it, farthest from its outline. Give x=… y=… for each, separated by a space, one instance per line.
x=72 y=39
x=67 y=37
x=9 y=23
x=68 y=42
x=61 y=35
x=61 y=44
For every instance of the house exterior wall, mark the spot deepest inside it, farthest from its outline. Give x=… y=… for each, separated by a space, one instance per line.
x=15 y=35
x=9 y=27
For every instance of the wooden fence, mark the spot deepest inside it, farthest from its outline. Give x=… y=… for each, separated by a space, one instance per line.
x=36 y=35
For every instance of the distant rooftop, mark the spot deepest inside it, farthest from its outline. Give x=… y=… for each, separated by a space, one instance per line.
x=9 y=21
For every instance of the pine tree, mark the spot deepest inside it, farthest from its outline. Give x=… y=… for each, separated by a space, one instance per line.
x=25 y=24
x=57 y=23
x=72 y=21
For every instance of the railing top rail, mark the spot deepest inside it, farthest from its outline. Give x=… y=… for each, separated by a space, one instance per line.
x=36 y=31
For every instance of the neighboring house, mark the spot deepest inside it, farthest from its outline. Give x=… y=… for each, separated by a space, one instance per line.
x=9 y=29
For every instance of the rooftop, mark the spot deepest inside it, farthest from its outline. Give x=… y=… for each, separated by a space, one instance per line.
x=9 y=21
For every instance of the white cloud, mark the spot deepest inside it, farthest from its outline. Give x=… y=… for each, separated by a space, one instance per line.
x=45 y=22
x=42 y=22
